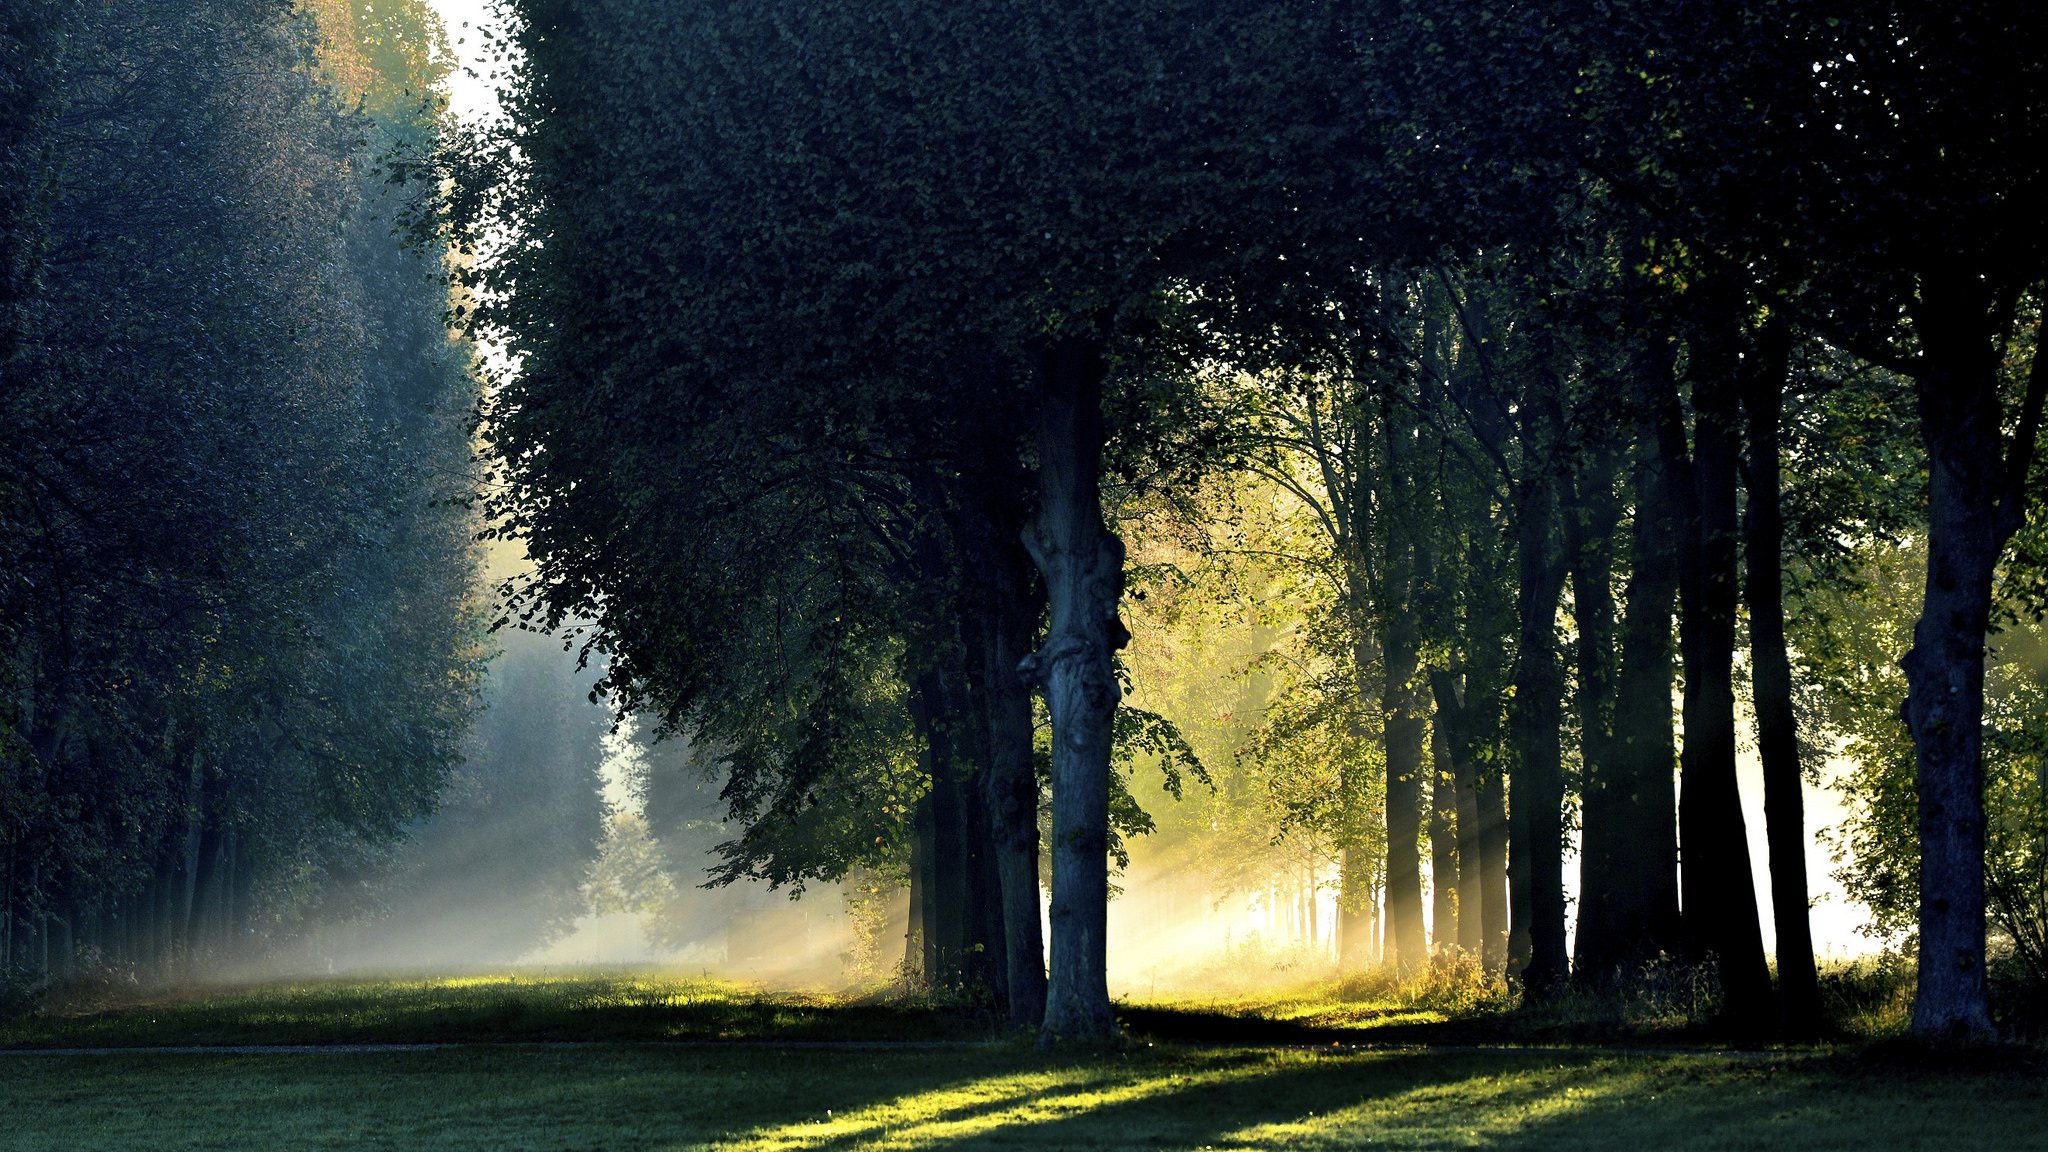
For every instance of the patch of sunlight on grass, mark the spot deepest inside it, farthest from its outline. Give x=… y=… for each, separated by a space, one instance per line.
x=1318 y=1009
x=1481 y=1111
x=982 y=1107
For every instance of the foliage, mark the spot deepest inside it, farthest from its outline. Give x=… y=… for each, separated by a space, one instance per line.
x=1854 y=663
x=238 y=639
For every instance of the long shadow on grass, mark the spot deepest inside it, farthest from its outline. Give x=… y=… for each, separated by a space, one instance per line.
x=1283 y=1101
x=1313 y=1100
x=1386 y=1027
x=1850 y=1101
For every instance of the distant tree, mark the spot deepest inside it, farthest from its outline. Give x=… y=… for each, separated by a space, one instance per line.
x=240 y=645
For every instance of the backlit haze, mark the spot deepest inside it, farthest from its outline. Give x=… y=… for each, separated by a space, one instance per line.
x=1169 y=929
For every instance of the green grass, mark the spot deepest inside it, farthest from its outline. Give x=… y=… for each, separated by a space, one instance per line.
x=712 y=1097
x=658 y=1069
x=577 y=1006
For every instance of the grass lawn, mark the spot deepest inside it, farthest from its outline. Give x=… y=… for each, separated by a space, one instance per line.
x=659 y=1069
x=582 y=1005
x=685 y=1097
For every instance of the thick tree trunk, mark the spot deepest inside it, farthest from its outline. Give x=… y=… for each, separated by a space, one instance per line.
x=1536 y=935
x=1082 y=564
x=1777 y=733
x=1643 y=918
x=1975 y=503
x=1718 y=887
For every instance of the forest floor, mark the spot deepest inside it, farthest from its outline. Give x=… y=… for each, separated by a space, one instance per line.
x=634 y=1061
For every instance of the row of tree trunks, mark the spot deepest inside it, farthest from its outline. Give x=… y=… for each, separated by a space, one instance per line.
x=1632 y=827
x=1467 y=620
x=1590 y=519
x=1479 y=829
x=1717 y=885
x=192 y=912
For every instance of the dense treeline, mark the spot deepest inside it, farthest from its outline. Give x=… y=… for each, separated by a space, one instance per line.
x=238 y=638
x=1605 y=352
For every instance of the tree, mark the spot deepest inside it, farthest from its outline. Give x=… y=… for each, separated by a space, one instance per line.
x=240 y=651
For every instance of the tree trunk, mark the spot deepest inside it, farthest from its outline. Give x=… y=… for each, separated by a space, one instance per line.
x=1975 y=503
x=1358 y=875
x=1007 y=602
x=1082 y=565
x=1643 y=919
x=1401 y=706
x=1404 y=727
x=1717 y=884
x=1473 y=895
x=1536 y=937
x=1777 y=733
x=1354 y=910
x=1589 y=525
x=947 y=918
x=1444 y=815
x=1443 y=840
x=1010 y=785
x=188 y=860
x=916 y=949
x=1483 y=703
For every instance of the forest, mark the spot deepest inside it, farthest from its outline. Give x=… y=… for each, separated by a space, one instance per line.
x=973 y=467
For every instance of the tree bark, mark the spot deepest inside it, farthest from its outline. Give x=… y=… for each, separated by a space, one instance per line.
x=1082 y=565
x=1007 y=602
x=947 y=919
x=917 y=958
x=1405 y=728
x=1777 y=732
x=1443 y=841
x=1717 y=885
x=1643 y=919
x=1590 y=524
x=1536 y=936
x=1011 y=788
x=1469 y=904
x=1975 y=504
x=1401 y=705
x=1358 y=878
